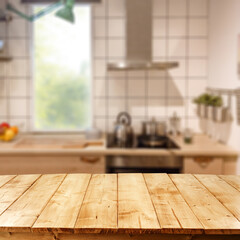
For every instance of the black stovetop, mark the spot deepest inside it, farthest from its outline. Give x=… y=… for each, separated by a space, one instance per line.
x=138 y=143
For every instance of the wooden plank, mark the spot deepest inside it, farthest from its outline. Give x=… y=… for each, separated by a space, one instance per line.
x=26 y=236
x=135 y=209
x=215 y=218
x=5 y=178
x=99 y=209
x=49 y=236
x=233 y=180
x=144 y=237
x=174 y=215
x=62 y=210
x=11 y=191
x=225 y=193
x=21 y=215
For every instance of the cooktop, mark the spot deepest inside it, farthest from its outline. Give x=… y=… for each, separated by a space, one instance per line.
x=143 y=142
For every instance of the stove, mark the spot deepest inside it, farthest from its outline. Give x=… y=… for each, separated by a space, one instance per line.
x=144 y=162
x=140 y=142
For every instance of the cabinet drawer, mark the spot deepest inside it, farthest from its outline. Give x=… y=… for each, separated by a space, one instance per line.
x=203 y=165
x=90 y=164
x=51 y=164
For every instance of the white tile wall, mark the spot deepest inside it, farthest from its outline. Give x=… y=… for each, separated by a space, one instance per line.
x=117 y=88
x=177 y=8
x=115 y=106
x=18 y=107
x=15 y=79
x=3 y=88
x=160 y=8
x=177 y=27
x=180 y=33
x=3 y=107
x=137 y=107
x=116 y=48
x=116 y=28
x=18 y=88
x=156 y=107
x=99 y=27
x=156 y=88
x=136 y=88
x=159 y=48
x=177 y=48
x=159 y=27
x=198 y=8
x=198 y=27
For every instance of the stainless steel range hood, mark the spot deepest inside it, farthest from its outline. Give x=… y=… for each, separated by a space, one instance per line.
x=139 y=39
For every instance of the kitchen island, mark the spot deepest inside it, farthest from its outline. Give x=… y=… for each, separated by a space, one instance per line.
x=123 y=206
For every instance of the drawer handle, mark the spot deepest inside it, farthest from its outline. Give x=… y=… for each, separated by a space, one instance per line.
x=203 y=161
x=90 y=159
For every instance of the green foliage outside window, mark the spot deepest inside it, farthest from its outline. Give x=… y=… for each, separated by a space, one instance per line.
x=62 y=72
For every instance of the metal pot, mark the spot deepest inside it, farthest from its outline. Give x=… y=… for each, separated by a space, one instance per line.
x=123 y=131
x=202 y=110
x=153 y=128
x=210 y=112
x=174 y=124
x=220 y=114
x=153 y=141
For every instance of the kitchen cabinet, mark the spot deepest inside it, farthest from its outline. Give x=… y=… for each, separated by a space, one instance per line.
x=51 y=164
x=203 y=165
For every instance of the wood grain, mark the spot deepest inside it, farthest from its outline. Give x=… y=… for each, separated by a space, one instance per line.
x=21 y=215
x=124 y=206
x=135 y=208
x=48 y=236
x=5 y=178
x=99 y=208
x=12 y=190
x=225 y=193
x=55 y=142
x=215 y=218
x=233 y=180
x=174 y=215
x=62 y=210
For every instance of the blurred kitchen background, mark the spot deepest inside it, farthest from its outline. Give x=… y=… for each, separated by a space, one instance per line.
x=200 y=35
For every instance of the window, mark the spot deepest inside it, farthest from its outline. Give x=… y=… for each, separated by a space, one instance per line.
x=62 y=72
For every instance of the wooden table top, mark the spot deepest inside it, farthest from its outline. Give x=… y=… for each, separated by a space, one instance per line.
x=123 y=203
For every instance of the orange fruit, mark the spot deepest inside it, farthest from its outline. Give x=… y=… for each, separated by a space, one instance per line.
x=15 y=129
x=9 y=135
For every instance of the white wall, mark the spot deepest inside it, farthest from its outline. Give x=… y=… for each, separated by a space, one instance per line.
x=179 y=34
x=224 y=28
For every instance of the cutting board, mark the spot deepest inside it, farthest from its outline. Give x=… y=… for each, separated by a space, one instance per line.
x=50 y=143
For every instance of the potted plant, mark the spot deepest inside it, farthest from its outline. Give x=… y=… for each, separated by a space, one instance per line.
x=202 y=102
x=210 y=106
x=219 y=111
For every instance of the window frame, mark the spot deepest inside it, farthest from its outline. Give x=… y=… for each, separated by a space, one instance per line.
x=32 y=73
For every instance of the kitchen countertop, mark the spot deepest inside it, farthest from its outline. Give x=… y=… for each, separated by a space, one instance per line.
x=203 y=146
x=77 y=145
x=197 y=205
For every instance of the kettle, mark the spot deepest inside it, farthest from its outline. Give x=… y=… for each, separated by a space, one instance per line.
x=123 y=131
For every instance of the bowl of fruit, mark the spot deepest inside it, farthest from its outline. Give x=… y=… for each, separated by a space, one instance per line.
x=7 y=132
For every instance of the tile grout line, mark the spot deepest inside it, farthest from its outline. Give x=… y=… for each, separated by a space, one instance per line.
x=6 y=72
x=187 y=63
x=167 y=58
x=106 y=61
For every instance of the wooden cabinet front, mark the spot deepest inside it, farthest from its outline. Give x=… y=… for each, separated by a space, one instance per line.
x=51 y=164
x=203 y=165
